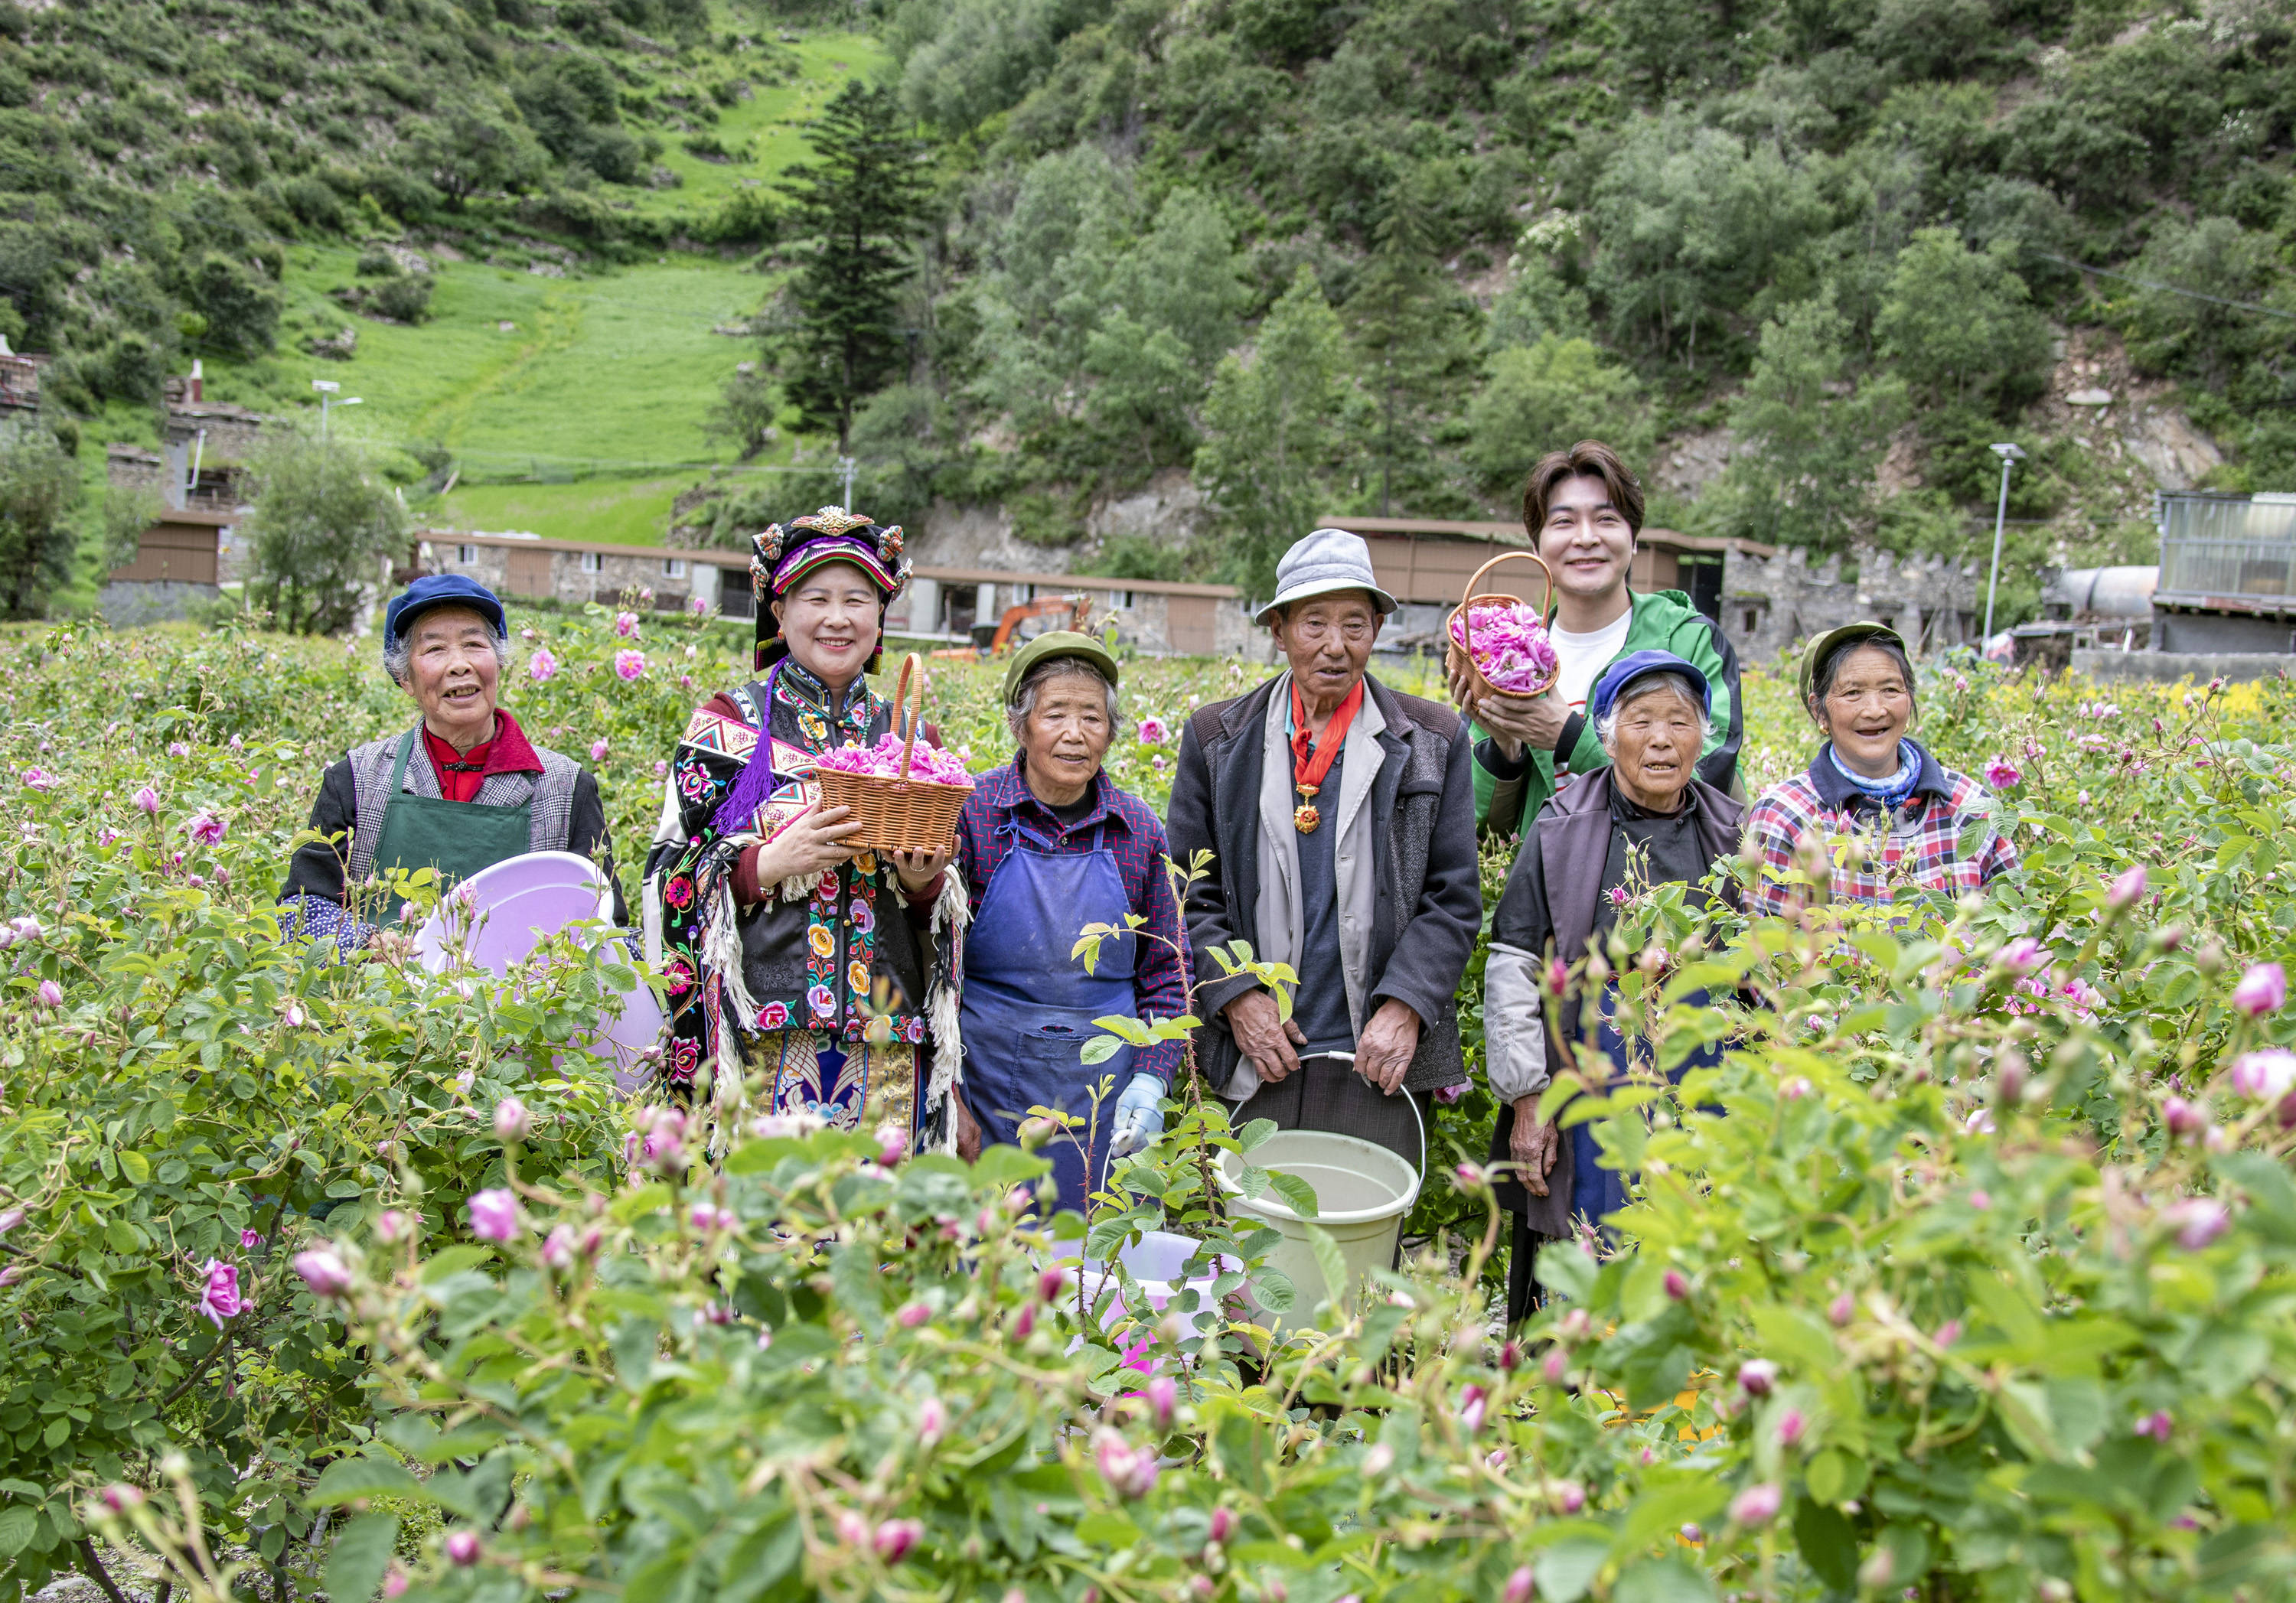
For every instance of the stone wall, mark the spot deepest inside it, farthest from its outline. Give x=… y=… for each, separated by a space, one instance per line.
x=126 y=604
x=1770 y=605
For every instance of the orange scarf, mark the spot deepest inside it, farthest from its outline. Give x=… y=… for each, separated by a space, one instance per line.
x=1311 y=758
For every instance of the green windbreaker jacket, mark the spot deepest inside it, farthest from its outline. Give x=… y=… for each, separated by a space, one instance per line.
x=1509 y=794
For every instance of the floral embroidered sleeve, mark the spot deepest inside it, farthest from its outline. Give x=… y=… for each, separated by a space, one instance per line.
x=688 y=862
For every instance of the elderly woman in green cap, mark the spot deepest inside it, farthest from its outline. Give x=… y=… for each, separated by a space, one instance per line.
x=1919 y=823
x=1049 y=844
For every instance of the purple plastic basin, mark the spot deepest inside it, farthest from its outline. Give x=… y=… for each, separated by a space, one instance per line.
x=500 y=914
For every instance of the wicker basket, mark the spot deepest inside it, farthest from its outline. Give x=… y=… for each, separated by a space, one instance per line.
x=1461 y=663
x=897 y=814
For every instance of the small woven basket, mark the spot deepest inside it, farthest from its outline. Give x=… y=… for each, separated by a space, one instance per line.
x=900 y=814
x=1458 y=662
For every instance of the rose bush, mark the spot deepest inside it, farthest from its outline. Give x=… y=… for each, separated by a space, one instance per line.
x=1969 y=1271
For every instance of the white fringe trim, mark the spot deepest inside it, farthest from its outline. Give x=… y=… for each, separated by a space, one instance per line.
x=952 y=912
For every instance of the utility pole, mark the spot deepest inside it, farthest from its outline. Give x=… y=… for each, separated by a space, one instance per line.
x=2008 y=454
x=845 y=465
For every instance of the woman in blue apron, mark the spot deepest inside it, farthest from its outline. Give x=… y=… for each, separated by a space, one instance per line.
x=1050 y=844
x=461 y=790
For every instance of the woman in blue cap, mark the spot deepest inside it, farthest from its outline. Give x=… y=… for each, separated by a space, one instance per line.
x=461 y=790
x=1644 y=819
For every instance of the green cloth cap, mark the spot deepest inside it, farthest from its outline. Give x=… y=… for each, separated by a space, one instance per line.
x=1058 y=642
x=1825 y=644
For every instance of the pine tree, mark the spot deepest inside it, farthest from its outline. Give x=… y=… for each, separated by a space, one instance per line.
x=861 y=201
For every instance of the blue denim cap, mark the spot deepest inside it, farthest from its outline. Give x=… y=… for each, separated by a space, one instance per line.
x=1640 y=664
x=441 y=590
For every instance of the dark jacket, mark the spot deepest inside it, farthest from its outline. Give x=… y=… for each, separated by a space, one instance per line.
x=1429 y=903
x=1561 y=869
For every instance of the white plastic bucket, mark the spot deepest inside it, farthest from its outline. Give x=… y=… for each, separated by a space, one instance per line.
x=1363 y=1190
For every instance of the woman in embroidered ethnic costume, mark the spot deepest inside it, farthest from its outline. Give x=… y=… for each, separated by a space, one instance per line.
x=826 y=972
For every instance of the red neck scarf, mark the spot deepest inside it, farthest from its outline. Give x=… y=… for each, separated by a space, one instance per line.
x=1311 y=758
x=461 y=774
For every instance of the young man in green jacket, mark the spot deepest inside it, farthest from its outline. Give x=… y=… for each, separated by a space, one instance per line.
x=1584 y=510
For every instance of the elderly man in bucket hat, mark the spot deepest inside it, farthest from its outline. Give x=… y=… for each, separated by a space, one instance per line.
x=1341 y=817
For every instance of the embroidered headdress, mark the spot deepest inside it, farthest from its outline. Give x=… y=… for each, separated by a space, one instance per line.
x=788 y=552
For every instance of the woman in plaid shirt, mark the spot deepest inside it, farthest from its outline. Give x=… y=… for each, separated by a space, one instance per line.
x=1911 y=817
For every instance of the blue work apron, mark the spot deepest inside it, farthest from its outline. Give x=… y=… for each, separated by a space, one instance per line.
x=1596 y=1192
x=1028 y=1006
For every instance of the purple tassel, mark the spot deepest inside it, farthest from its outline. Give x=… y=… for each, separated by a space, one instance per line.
x=739 y=811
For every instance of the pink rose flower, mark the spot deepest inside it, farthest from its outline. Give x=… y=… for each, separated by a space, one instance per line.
x=630 y=665
x=50 y=995
x=2198 y=1220
x=323 y=1272
x=1152 y=731
x=219 y=1298
x=39 y=779
x=626 y=625
x=2263 y=989
x=2265 y=1074
x=1755 y=1505
x=541 y=666
x=494 y=1216
x=598 y=751
x=2000 y=775
x=148 y=800
x=1129 y=1471
x=930 y=763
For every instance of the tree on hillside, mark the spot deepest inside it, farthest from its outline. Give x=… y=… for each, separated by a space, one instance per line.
x=1547 y=396
x=1417 y=336
x=1960 y=326
x=1275 y=433
x=2199 y=339
x=1813 y=438
x=321 y=529
x=861 y=201
x=471 y=150
x=39 y=485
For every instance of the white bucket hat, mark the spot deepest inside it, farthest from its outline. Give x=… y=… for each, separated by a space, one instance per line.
x=1327 y=560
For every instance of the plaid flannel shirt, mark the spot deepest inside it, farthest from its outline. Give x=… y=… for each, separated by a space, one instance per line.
x=1135 y=834
x=1920 y=846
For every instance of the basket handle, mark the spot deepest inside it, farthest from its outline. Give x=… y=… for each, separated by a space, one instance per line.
x=1545 y=602
x=900 y=698
x=1467 y=612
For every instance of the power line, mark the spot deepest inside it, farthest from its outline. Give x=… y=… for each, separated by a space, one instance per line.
x=2237 y=305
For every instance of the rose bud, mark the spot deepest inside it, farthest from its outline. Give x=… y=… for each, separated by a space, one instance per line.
x=1756 y=1376
x=1049 y=1284
x=895 y=1537
x=1164 y=1396
x=512 y=1122
x=1676 y=1285
x=1223 y=1525
x=463 y=1548
x=1518 y=1586
x=1755 y=1505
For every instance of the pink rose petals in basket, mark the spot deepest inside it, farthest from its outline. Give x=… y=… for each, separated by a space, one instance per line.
x=1509 y=647
x=882 y=761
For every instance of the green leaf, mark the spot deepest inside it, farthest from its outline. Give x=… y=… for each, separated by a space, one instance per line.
x=761 y=1558
x=1663 y=1581
x=1298 y=1194
x=1567 y=1569
x=1273 y=1290
x=17 y=1523
x=362 y=1549
x=136 y=1167
x=347 y=1480
x=1329 y=1260
x=1567 y=1269
x=1255 y=1134
x=1100 y=1048
x=1828 y=1543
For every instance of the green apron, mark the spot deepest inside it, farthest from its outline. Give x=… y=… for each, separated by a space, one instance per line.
x=458 y=839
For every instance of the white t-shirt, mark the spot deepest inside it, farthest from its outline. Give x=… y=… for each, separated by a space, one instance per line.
x=1582 y=658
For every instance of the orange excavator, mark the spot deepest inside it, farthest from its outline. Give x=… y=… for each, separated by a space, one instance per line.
x=1075 y=611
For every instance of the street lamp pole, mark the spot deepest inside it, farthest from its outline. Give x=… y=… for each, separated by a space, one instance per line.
x=329 y=388
x=845 y=465
x=2008 y=454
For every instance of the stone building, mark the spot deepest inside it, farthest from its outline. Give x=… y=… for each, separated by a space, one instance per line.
x=1771 y=603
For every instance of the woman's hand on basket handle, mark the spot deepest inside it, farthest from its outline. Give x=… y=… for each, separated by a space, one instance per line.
x=813 y=842
x=919 y=869
x=1512 y=722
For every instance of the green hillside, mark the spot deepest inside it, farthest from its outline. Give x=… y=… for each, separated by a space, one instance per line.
x=1368 y=256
